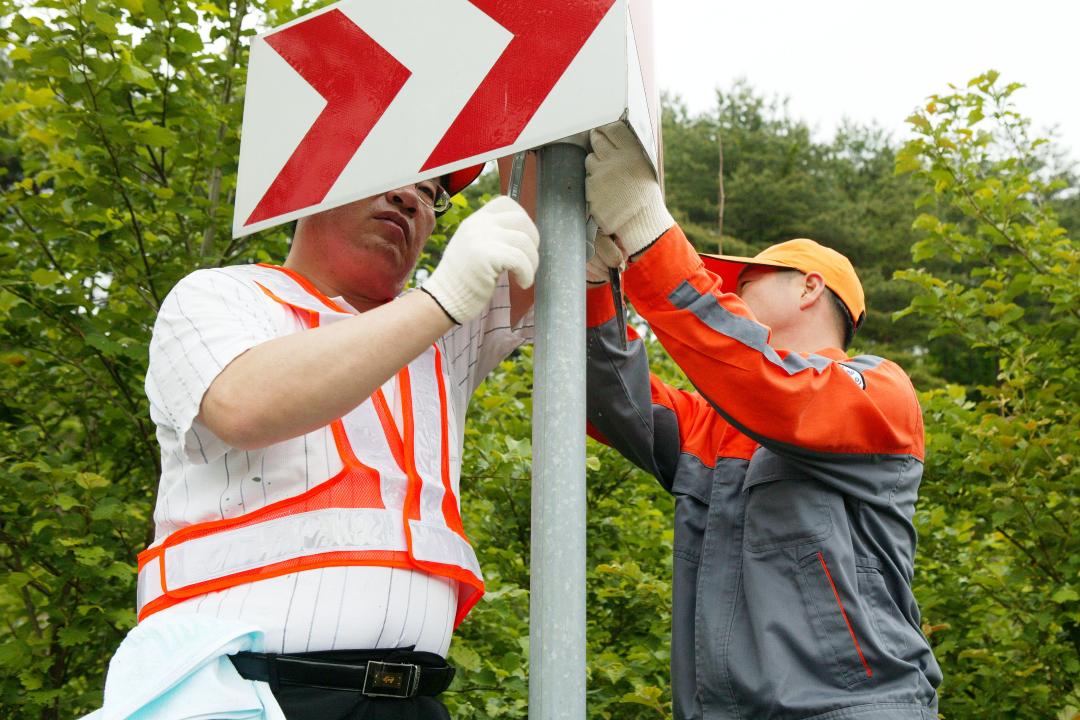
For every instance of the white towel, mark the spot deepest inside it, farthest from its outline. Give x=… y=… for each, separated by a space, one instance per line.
x=174 y=667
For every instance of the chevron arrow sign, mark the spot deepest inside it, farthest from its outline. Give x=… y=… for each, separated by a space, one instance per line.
x=364 y=96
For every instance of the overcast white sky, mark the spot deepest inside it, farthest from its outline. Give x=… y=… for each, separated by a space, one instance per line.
x=872 y=59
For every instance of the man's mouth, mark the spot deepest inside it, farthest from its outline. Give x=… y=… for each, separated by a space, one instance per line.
x=397 y=220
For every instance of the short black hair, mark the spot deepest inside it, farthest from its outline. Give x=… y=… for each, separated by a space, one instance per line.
x=843 y=318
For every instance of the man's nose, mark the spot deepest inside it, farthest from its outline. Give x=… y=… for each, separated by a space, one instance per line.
x=405 y=198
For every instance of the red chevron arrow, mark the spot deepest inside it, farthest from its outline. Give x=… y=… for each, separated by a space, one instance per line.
x=547 y=37
x=357 y=78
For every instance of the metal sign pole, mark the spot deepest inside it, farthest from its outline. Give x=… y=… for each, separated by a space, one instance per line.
x=557 y=585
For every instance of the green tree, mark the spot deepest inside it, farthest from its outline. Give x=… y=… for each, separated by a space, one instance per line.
x=125 y=117
x=10 y=170
x=119 y=131
x=999 y=569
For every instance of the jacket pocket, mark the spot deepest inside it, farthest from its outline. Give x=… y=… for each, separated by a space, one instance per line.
x=898 y=637
x=785 y=512
x=690 y=518
x=691 y=489
x=833 y=626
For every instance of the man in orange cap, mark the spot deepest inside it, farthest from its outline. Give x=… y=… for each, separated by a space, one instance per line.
x=795 y=468
x=829 y=291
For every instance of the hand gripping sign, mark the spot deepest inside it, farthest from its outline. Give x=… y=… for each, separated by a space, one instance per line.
x=364 y=96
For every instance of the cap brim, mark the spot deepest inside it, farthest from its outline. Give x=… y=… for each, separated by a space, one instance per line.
x=729 y=267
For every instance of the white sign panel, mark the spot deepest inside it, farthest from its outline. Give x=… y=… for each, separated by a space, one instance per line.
x=363 y=96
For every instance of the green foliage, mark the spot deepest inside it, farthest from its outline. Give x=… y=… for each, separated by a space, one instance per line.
x=999 y=564
x=119 y=128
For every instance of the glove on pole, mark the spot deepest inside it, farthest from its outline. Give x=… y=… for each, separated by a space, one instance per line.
x=499 y=237
x=621 y=188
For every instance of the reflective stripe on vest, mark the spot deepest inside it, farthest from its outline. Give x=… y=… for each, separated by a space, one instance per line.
x=396 y=508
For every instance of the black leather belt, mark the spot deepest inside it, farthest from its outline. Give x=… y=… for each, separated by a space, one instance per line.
x=390 y=676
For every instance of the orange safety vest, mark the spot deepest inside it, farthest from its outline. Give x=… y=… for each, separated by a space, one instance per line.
x=391 y=505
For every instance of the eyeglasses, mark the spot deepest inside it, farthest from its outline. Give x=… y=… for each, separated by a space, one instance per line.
x=433 y=195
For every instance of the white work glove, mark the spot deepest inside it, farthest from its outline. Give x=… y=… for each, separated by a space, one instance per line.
x=607 y=256
x=620 y=185
x=497 y=238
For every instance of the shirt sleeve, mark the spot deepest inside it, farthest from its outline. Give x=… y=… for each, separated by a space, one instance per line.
x=206 y=321
x=473 y=349
x=789 y=401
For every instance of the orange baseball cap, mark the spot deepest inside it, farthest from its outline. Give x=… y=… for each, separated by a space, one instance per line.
x=806 y=256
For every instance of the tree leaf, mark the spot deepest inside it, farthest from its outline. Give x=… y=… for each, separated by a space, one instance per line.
x=45 y=278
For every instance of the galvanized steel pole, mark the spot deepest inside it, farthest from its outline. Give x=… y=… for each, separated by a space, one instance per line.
x=557 y=611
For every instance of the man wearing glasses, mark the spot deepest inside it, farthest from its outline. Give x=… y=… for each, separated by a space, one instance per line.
x=311 y=420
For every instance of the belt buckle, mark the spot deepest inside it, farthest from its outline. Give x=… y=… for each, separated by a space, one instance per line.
x=382 y=679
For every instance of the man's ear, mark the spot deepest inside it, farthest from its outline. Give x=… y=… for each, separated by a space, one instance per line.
x=813 y=289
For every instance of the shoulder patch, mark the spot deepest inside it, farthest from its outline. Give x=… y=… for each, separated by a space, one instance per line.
x=855 y=376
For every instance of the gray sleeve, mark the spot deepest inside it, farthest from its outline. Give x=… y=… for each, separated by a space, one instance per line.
x=620 y=405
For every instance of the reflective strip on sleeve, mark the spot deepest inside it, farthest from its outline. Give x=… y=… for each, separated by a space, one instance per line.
x=744 y=330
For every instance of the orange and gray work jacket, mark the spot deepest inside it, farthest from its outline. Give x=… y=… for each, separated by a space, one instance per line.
x=795 y=477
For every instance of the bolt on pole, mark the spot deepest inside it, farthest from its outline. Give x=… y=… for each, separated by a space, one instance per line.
x=557 y=584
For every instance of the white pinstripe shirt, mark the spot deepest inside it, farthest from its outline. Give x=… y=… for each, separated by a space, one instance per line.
x=207 y=320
